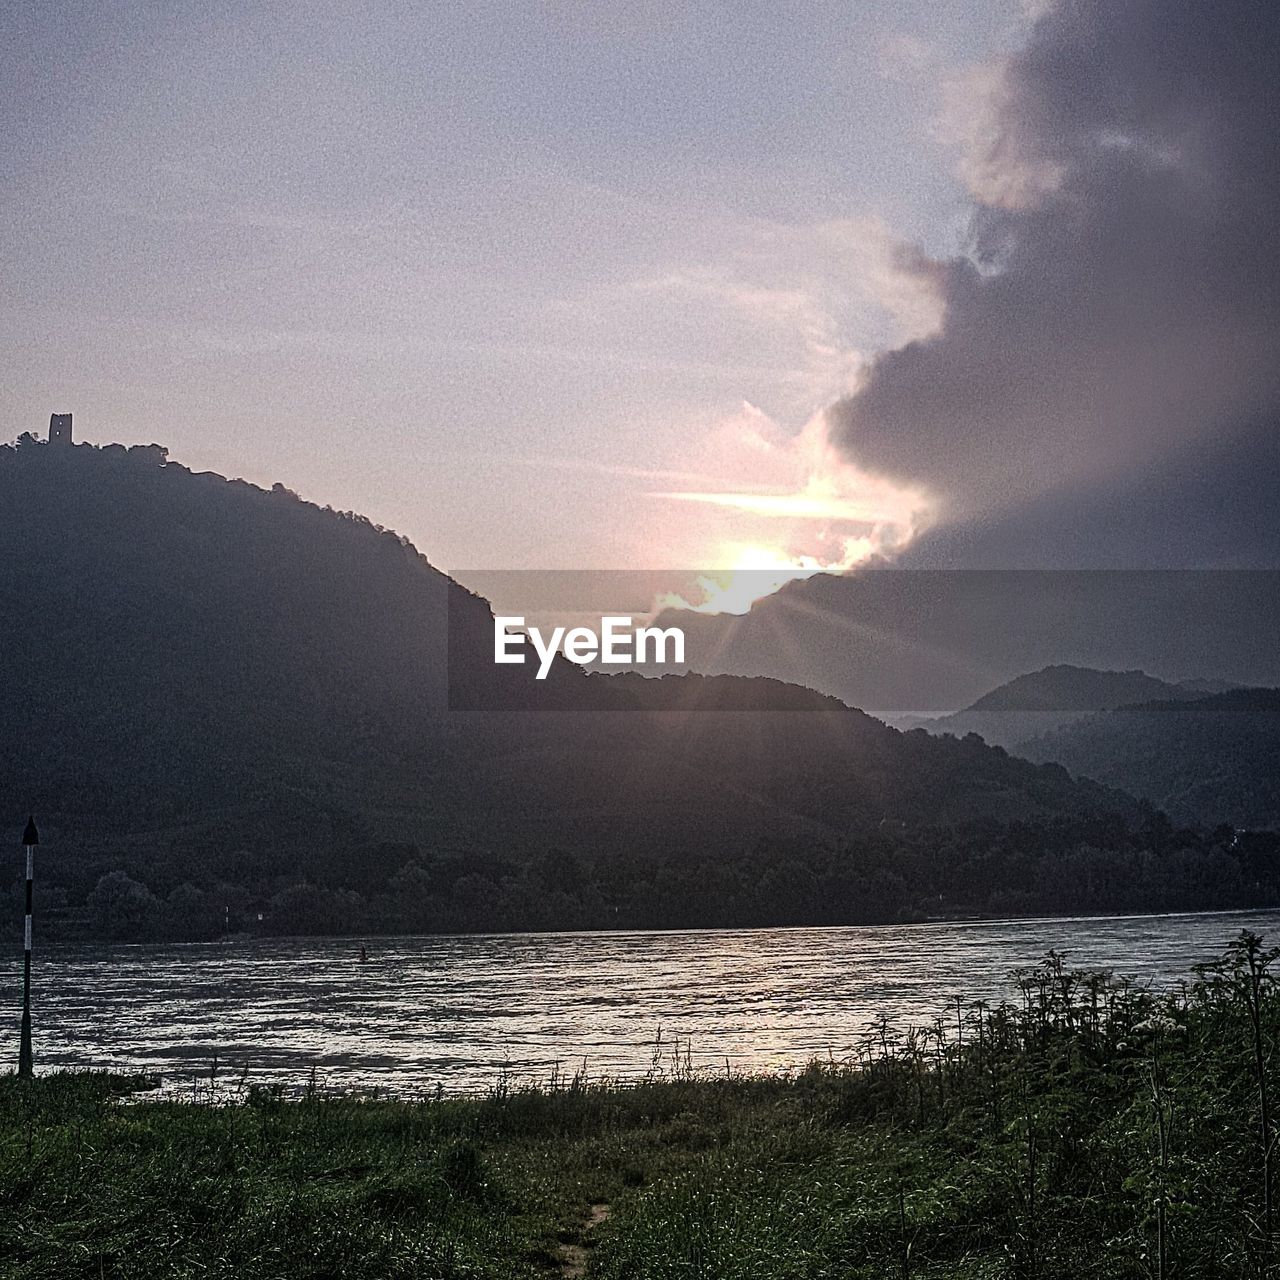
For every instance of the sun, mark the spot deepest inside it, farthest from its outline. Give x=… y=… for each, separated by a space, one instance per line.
x=754 y=571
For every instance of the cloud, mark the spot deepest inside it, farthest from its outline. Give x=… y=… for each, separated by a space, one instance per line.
x=797 y=501
x=1118 y=305
x=810 y=291
x=818 y=500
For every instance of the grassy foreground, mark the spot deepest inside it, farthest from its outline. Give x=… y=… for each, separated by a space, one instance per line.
x=1089 y=1130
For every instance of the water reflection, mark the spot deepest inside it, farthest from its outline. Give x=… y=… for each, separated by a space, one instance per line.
x=457 y=1011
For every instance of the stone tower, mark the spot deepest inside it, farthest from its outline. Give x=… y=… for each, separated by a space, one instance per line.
x=60 y=428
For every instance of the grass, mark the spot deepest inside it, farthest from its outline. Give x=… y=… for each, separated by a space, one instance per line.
x=1088 y=1130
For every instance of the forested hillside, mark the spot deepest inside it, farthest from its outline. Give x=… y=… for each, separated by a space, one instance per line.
x=1212 y=759
x=237 y=697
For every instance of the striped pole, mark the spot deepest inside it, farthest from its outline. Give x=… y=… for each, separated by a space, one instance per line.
x=30 y=838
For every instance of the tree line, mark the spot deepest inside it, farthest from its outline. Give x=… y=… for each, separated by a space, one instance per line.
x=878 y=875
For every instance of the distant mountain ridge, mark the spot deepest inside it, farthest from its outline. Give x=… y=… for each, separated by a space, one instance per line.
x=1063 y=687
x=1210 y=759
x=922 y=643
x=1194 y=749
x=1029 y=706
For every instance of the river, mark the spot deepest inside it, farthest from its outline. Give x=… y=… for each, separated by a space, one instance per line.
x=458 y=1012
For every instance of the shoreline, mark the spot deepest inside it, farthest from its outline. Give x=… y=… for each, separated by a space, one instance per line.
x=1031 y=1136
x=940 y=922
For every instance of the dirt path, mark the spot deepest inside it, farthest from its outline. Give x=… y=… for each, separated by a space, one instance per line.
x=575 y=1251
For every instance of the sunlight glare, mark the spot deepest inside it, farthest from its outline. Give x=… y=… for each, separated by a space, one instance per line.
x=756 y=571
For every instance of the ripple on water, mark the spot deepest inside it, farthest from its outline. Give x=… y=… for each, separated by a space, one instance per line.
x=459 y=1011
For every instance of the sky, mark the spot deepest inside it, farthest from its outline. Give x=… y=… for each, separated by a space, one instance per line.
x=581 y=284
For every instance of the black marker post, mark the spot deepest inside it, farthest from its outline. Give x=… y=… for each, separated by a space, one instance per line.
x=30 y=838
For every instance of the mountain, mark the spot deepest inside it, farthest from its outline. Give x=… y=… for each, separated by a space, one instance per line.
x=1037 y=703
x=1067 y=688
x=1212 y=759
x=177 y=643
x=923 y=642
x=235 y=696
x=1208 y=686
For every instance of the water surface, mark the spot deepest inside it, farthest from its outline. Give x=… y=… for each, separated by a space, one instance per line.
x=459 y=1011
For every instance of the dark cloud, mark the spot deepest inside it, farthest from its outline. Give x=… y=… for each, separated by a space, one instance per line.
x=1114 y=332
x=1211 y=507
